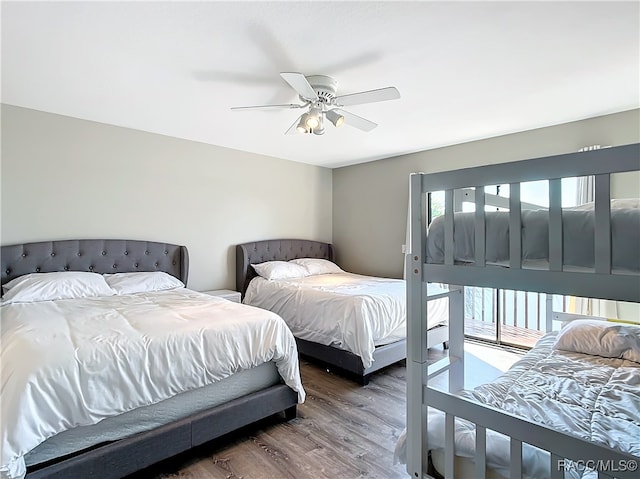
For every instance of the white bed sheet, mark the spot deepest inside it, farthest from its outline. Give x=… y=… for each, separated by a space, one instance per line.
x=74 y=362
x=592 y=397
x=344 y=310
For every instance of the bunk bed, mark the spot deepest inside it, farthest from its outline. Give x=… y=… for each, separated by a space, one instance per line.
x=339 y=307
x=75 y=359
x=589 y=253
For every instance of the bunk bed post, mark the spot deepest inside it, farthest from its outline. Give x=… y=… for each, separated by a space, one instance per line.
x=556 y=253
x=602 y=224
x=549 y=313
x=515 y=225
x=416 y=331
x=480 y=224
x=456 y=338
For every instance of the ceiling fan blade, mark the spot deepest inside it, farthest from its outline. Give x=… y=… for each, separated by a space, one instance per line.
x=293 y=128
x=370 y=96
x=300 y=84
x=356 y=121
x=260 y=107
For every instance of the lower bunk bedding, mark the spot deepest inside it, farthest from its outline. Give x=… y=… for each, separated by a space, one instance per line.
x=586 y=395
x=85 y=371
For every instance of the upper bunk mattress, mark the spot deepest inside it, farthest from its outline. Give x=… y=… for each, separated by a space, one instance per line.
x=577 y=232
x=345 y=310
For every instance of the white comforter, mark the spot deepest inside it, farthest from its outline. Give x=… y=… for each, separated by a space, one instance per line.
x=595 y=398
x=69 y=363
x=345 y=310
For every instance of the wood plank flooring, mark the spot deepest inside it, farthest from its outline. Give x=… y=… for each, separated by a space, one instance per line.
x=343 y=430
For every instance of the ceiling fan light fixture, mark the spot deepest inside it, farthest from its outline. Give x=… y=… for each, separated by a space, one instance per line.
x=312 y=119
x=336 y=118
x=319 y=130
x=302 y=125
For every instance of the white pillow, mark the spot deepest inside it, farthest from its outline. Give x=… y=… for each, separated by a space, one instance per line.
x=57 y=285
x=141 y=282
x=317 y=266
x=280 y=270
x=601 y=338
x=616 y=204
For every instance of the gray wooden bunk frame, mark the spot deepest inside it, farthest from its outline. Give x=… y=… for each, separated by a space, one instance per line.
x=601 y=283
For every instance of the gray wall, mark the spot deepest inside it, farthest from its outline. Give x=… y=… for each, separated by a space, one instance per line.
x=370 y=199
x=68 y=178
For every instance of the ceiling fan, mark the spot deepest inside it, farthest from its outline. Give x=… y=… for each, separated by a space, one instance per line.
x=318 y=96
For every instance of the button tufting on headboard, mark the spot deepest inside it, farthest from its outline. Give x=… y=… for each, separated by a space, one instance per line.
x=100 y=256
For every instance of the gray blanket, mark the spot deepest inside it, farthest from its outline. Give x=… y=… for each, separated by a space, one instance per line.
x=578 y=238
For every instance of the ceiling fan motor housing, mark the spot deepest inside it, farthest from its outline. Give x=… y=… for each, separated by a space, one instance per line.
x=324 y=86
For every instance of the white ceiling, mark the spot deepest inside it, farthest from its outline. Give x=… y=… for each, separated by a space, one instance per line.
x=465 y=70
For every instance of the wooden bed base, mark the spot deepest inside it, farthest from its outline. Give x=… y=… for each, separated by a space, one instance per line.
x=119 y=458
x=351 y=364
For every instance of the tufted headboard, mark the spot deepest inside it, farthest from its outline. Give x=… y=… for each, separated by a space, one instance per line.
x=272 y=250
x=99 y=256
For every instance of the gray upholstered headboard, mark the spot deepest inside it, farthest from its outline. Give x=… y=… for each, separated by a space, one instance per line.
x=99 y=256
x=273 y=250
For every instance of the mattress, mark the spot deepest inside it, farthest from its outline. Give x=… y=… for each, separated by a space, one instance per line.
x=70 y=363
x=577 y=231
x=592 y=397
x=345 y=310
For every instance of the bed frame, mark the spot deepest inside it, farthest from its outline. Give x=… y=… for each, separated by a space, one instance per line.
x=119 y=458
x=284 y=250
x=601 y=283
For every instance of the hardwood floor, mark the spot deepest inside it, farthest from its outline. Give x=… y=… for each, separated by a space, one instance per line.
x=343 y=430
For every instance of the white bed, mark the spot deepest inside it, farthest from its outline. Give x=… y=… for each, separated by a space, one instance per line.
x=344 y=310
x=160 y=366
x=354 y=323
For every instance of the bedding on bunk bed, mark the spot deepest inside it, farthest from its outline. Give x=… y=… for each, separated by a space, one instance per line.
x=595 y=397
x=340 y=309
x=95 y=356
x=578 y=237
